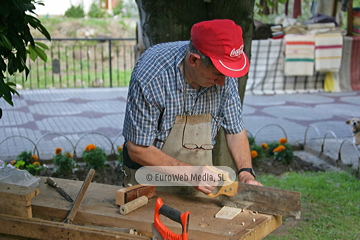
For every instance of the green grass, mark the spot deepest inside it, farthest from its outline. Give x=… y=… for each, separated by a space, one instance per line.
x=330 y=203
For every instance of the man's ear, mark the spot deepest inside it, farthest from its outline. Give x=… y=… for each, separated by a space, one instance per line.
x=193 y=58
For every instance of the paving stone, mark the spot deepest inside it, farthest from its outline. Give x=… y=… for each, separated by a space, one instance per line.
x=75 y=113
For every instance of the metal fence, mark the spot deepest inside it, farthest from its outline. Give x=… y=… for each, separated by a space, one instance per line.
x=108 y=62
x=81 y=62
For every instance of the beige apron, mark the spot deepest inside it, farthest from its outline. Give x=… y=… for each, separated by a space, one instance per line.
x=190 y=131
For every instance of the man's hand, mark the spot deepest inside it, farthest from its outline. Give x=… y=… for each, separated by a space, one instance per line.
x=246 y=177
x=209 y=184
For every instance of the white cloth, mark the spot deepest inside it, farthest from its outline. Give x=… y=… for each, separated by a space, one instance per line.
x=299 y=55
x=328 y=51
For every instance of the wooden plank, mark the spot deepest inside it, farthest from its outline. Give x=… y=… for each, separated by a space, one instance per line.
x=15 y=208
x=15 y=202
x=41 y=229
x=128 y=194
x=99 y=208
x=260 y=231
x=266 y=200
x=16 y=192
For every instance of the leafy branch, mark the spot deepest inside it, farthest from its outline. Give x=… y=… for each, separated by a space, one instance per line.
x=16 y=42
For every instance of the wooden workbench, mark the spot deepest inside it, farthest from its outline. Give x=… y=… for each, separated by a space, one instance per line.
x=98 y=208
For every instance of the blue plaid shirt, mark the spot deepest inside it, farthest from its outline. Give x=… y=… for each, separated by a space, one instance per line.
x=156 y=97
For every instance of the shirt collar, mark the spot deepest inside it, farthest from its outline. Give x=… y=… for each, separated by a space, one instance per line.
x=179 y=77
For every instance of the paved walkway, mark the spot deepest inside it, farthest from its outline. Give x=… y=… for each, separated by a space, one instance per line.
x=73 y=118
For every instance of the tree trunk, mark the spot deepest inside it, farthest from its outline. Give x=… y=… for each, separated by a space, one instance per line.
x=166 y=21
x=266 y=10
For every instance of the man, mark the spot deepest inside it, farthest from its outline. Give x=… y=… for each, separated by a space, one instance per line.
x=181 y=93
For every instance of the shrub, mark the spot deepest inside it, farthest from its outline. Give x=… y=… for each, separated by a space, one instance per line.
x=280 y=151
x=277 y=150
x=118 y=9
x=27 y=161
x=75 y=11
x=96 y=12
x=94 y=157
x=64 y=163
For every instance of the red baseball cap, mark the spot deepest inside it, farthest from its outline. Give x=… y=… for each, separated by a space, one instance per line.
x=221 y=40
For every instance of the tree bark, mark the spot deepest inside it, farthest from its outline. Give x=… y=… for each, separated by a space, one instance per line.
x=166 y=21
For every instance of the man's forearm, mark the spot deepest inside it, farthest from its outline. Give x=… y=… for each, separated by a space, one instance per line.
x=238 y=145
x=239 y=149
x=151 y=156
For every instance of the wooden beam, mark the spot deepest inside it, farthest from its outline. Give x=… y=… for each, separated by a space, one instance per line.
x=16 y=200
x=15 y=208
x=42 y=229
x=16 y=192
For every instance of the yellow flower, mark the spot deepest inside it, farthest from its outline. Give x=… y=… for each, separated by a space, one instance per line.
x=69 y=154
x=13 y=162
x=283 y=140
x=90 y=147
x=34 y=158
x=58 y=151
x=120 y=148
x=36 y=163
x=254 y=154
x=264 y=146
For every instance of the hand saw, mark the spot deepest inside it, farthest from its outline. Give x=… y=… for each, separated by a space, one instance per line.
x=262 y=199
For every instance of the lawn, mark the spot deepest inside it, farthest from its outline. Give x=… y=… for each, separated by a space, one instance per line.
x=330 y=203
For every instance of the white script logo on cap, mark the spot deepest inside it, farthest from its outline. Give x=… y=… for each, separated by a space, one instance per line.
x=237 y=52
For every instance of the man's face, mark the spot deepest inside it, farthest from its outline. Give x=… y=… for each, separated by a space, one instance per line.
x=208 y=76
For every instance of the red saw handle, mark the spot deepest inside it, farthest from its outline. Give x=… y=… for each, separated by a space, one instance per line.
x=173 y=214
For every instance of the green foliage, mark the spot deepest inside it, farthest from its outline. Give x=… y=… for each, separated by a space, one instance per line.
x=26 y=161
x=24 y=158
x=75 y=11
x=16 y=42
x=327 y=199
x=117 y=10
x=64 y=163
x=96 y=12
x=94 y=157
x=280 y=152
x=35 y=169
